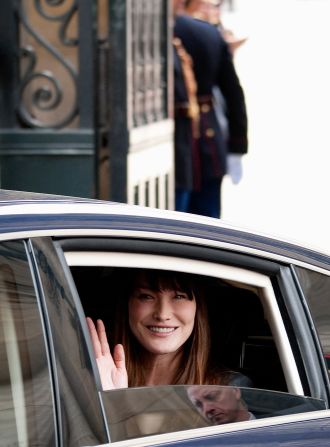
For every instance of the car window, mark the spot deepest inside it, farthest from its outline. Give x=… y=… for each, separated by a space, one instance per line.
x=316 y=288
x=81 y=415
x=137 y=412
x=247 y=329
x=26 y=403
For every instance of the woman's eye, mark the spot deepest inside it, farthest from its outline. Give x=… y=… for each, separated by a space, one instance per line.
x=181 y=296
x=145 y=297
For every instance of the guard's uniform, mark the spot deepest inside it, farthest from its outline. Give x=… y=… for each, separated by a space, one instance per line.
x=201 y=159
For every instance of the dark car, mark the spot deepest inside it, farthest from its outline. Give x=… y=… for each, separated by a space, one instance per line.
x=268 y=302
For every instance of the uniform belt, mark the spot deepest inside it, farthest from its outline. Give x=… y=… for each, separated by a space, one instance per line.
x=205 y=99
x=204 y=102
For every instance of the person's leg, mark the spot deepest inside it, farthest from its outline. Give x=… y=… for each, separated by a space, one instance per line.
x=206 y=202
x=182 y=200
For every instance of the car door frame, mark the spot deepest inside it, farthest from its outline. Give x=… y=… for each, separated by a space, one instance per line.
x=51 y=249
x=299 y=327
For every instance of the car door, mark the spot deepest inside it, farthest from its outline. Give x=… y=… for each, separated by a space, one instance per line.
x=28 y=410
x=68 y=283
x=284 y=356
x=90 y=252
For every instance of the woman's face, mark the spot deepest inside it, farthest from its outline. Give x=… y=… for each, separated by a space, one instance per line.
x=161 y=320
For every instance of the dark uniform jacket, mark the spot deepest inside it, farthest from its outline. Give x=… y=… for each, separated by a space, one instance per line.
x=213 y=66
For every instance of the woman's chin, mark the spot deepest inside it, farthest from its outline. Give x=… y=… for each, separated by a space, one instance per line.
x=161 y=348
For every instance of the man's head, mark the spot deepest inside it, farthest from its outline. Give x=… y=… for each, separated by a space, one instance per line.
x=219 y=405
x=178 y=6
x=208 y=10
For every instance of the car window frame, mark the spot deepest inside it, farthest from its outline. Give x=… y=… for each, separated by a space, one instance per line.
x=314 y=329
x=248 y=277
x=242 y=432
x=304 y=333
x=253 y=262
x=44 y=298
x=40 y=309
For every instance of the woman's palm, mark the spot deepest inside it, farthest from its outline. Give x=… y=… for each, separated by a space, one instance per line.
x=112 y=369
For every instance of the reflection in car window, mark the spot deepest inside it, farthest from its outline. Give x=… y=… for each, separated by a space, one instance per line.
x=316 y=288
x=219 y=405
x=81 y=415
x=26 y=408
x=137 y=412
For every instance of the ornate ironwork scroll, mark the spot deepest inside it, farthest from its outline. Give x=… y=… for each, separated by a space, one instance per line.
x=41 y=90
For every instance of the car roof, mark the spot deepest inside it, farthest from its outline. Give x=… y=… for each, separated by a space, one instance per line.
x=30 y=212
x=8 y=197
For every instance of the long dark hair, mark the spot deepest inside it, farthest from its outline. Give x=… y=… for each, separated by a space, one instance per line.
x=194 y=367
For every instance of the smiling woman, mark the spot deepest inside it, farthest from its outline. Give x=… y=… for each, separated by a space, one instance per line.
x=164 y=332
x=162 y=311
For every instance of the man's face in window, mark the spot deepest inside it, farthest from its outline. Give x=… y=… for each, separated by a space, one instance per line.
x=219 y=405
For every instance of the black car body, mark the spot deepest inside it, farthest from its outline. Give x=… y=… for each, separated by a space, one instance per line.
x=61 y=258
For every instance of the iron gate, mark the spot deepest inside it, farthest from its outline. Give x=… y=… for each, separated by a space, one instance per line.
x=85 y=100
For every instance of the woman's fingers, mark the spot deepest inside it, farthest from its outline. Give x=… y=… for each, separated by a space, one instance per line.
x=99 y=338
x=94 y=336
x=121 y=372
x=112 y=370
x=102 y=337
x=119 y=357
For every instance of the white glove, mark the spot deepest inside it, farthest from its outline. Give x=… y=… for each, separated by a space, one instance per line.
x=234 y=167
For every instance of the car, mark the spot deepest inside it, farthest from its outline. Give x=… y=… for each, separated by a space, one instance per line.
x=62 y=259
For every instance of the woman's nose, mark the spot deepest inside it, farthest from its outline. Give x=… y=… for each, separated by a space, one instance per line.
x=162 y=310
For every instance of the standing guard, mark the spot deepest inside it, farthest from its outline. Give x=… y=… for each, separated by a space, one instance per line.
x=205 y=151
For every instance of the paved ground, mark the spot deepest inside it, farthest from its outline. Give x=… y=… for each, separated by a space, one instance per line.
x=285 y=70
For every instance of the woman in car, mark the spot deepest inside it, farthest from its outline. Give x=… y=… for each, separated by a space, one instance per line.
x=162 y=336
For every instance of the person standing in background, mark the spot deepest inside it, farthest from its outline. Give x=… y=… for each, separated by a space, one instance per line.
x=200 y=146
x=211 y=11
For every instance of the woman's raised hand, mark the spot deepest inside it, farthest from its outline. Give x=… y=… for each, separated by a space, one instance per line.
x=112 y=369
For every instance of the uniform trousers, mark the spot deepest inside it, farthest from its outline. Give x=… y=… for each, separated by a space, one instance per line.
x=206 y=201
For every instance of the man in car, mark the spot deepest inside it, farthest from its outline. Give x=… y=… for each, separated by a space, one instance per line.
x=219 y=405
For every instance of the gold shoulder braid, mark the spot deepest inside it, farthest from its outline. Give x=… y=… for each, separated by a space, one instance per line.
x=190 y=84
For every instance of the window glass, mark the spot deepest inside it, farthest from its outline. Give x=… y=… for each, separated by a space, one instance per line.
x=82 y=419
x=316 y=288
x=26 y=406
x=136 y=412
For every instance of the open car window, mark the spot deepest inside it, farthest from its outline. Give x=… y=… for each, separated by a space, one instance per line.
x=247 y=329
x=137 y=412
x=252 y=332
